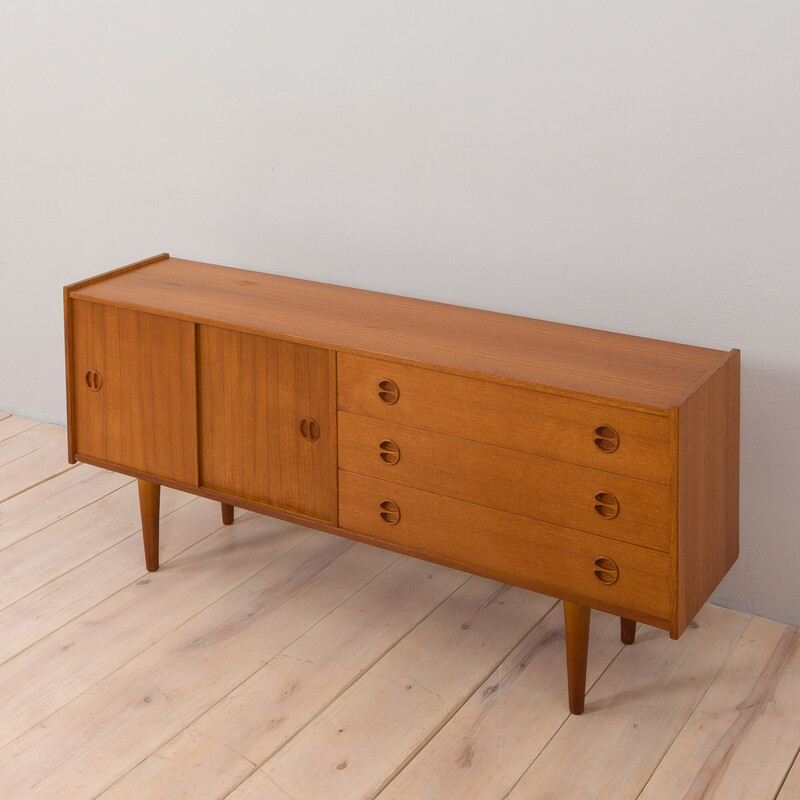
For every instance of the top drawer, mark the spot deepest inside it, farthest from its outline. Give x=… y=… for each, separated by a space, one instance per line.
x=592 y=434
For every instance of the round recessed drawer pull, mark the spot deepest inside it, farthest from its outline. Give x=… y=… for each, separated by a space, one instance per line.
x=606 y=438
x=390 y=512
x=606 y=505
x=93 y=380
x=309 y=429
x=605 y=570
x=389 y=451
x=388 y=392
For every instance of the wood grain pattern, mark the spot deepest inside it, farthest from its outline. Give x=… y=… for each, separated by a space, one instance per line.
x=255 y=391
x=541 y=488
x=508 y=416
x=746 y=726
x=371 y=730
x=13 y=425
x=708 y=489
x=257 y=718
x=482 y=751
x=544 y=557
x=232 y=637
x=149 y=500
x=69 y=341
x=113 y=273
x=65 y=591
x=613 y=748
x=54 y=500
x=62 y=666
x=28 y=440
x=143 y=691
x=26 y=463
x=597 y=467
x=576 y=628
x=791 y=785
x=258 y=786
x=565 y=358
x=144 y=414
x=69 y=368
x=55 y=549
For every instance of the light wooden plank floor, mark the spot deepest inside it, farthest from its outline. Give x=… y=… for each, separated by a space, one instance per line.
x=265 y=661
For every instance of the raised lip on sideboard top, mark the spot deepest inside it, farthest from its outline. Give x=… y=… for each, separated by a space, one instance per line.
x=75 y=291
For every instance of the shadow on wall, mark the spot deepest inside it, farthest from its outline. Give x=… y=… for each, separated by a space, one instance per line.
x=766 y=573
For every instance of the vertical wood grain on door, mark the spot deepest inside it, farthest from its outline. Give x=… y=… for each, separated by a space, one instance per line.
x=134 y=390
x=267 y=421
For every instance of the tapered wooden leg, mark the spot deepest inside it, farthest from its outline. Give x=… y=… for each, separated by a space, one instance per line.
x=149 y=502
x=627 y=630
x=227 y=514
x=576 y=625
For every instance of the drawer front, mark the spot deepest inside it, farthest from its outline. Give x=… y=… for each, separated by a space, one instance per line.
x=591 y=434
x=617 y=506
x=515 y=549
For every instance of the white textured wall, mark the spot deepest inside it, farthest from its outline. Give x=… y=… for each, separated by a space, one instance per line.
x=624 y=165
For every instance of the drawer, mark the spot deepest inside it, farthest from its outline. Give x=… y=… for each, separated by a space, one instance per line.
x=558 y=561
x=604 y=503
x=591 y=434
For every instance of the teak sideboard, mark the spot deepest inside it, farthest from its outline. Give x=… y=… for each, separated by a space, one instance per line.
x=596 y=467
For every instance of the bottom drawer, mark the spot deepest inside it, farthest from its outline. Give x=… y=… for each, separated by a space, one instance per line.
x=559 y=561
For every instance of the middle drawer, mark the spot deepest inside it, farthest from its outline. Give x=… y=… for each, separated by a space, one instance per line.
x=608 y=504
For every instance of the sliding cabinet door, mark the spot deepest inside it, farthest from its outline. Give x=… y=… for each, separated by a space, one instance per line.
x=267 y=421
x=134 y=402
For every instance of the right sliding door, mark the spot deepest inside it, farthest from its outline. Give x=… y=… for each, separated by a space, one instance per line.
x=268 y=421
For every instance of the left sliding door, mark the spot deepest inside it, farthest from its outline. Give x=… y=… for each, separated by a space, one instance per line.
x=134 y=395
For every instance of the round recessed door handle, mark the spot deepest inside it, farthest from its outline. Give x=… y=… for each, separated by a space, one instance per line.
x=390 y=512
x=606 y=438
x=309 y=429
x=93 y=380
x=389 y=451
x=389 y=392
x=606 y=505
x=606 y=570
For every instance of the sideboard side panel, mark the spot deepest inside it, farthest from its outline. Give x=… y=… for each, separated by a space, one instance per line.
x=70 y=375
x=708 y=488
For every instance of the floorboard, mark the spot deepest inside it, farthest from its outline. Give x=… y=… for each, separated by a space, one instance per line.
x=739 y=739
x=269 y=661
x=490 y=742
x=20 y=437
x=31 y=457
x=55 y=499
x=791 y=785
x=381 y=722
x=251 y=723
x=66 y=597
x=56 y=549
x=104 y=732
x=11 y=426
x=633 y=712
x=63 y=665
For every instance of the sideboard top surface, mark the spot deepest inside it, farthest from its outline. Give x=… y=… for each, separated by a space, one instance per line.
x=566 y=359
